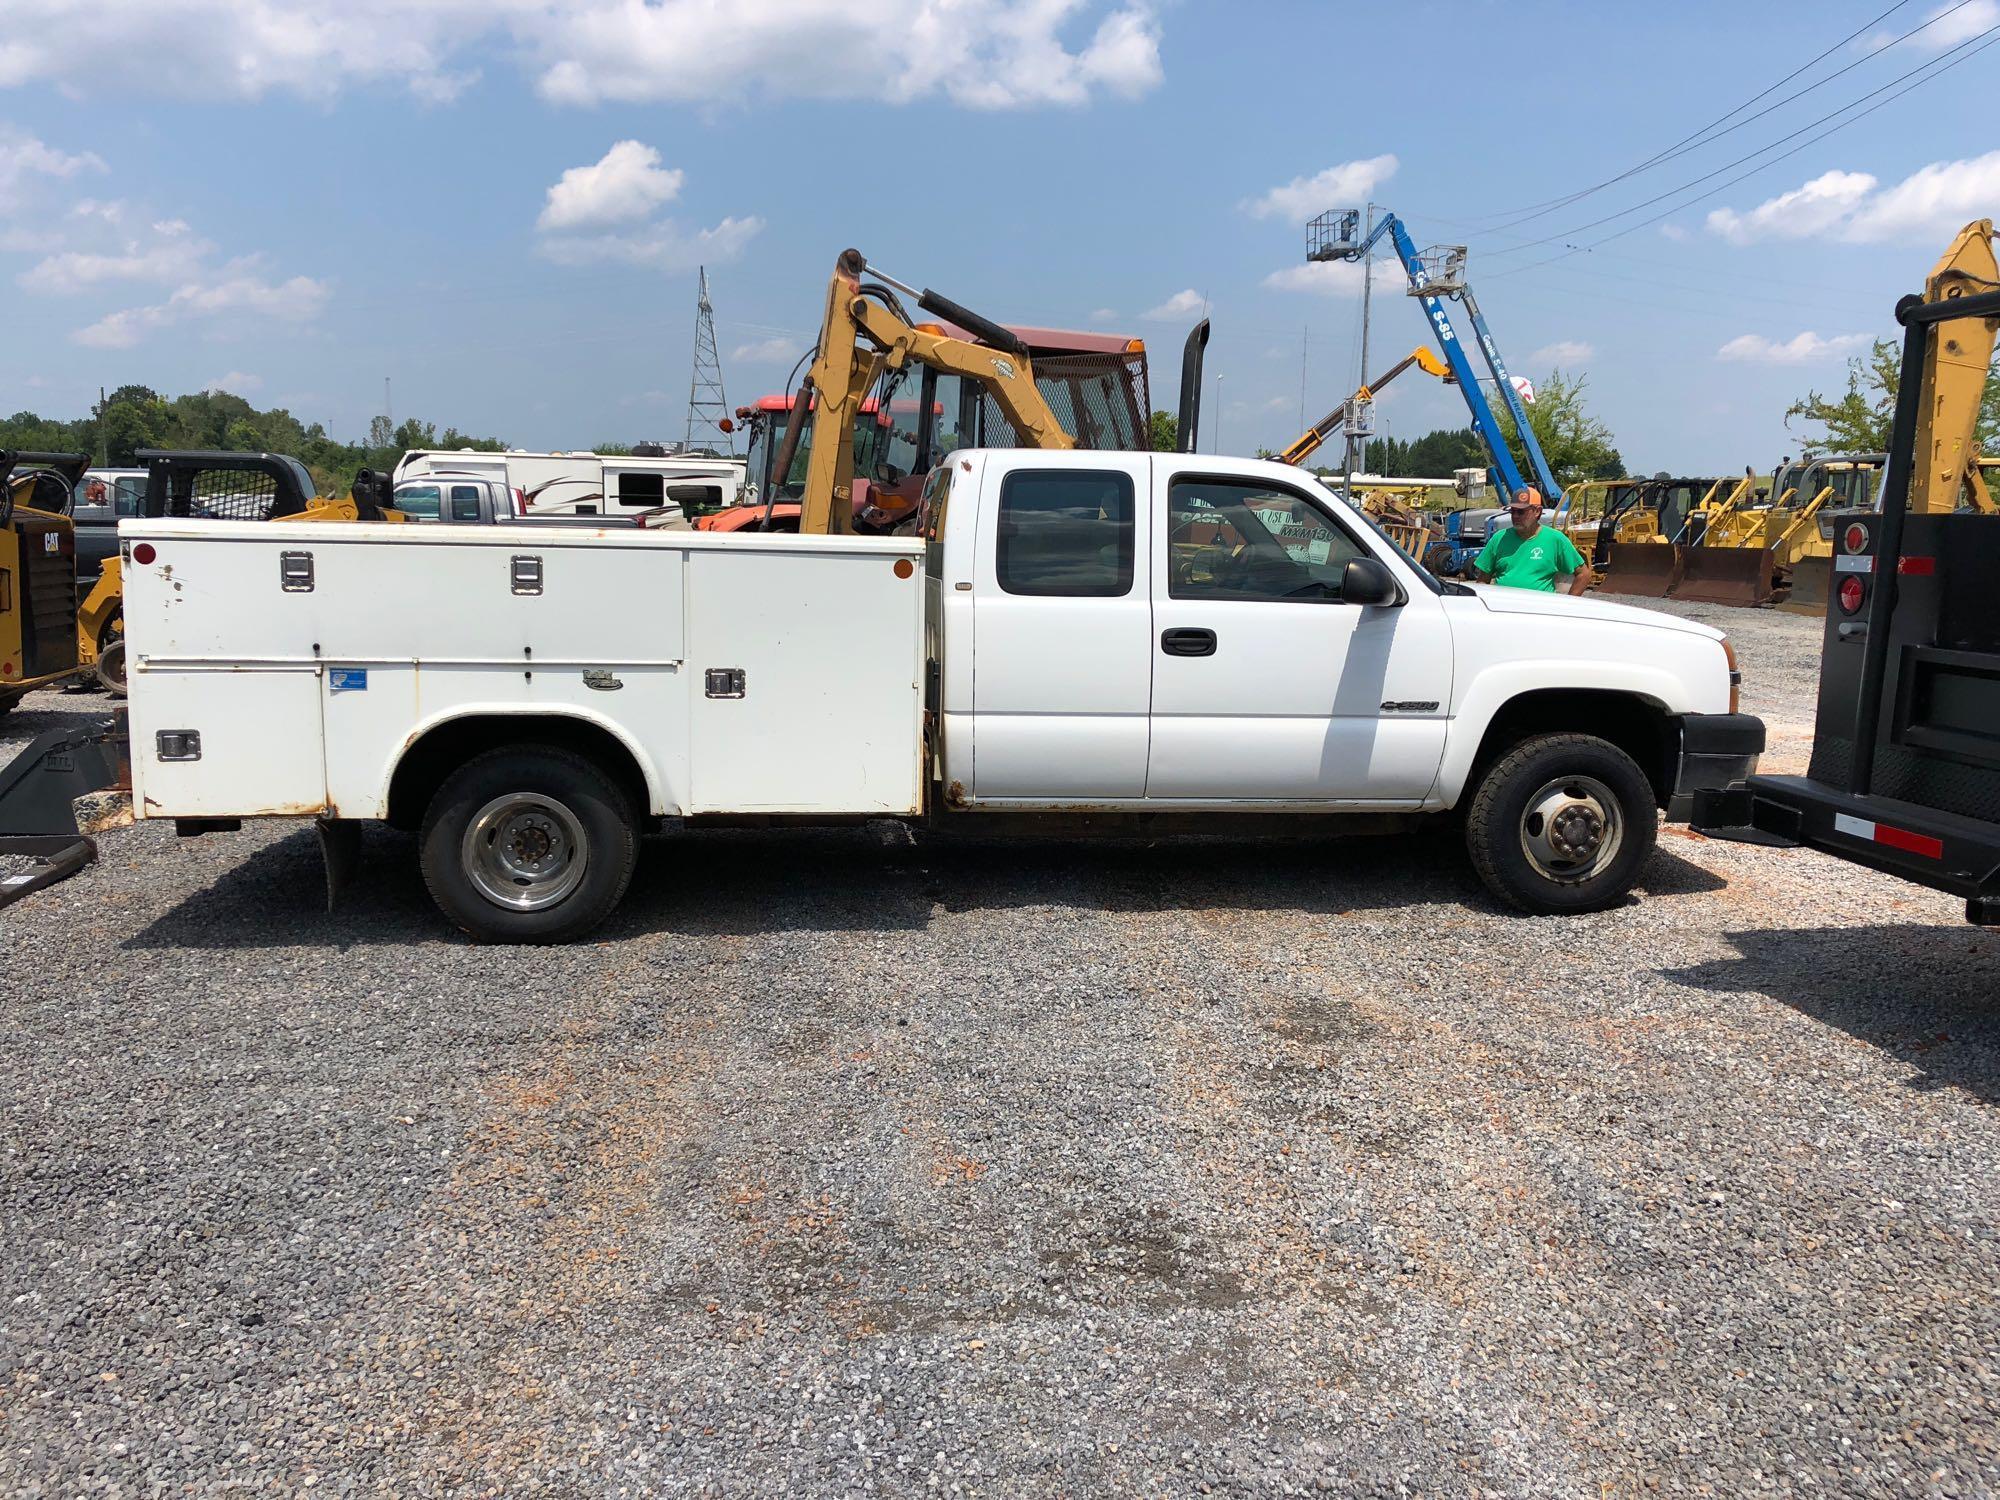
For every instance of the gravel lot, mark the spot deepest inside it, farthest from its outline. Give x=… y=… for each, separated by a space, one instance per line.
x=842 y=1165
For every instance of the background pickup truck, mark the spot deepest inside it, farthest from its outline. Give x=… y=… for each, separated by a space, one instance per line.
x=1159 y=641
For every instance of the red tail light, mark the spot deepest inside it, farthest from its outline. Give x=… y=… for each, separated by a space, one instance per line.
x=1852 y=595
x=143 y=554
x=1855 y=538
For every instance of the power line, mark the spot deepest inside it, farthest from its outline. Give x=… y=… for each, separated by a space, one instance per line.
x=1936 y=67
x=1702 y=137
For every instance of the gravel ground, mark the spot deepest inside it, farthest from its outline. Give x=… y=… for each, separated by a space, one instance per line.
x=842 y=1165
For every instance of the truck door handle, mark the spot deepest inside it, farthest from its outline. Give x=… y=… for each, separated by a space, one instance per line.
x=1188 y=642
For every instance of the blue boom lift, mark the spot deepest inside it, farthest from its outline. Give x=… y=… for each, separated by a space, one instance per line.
x=1435 y=275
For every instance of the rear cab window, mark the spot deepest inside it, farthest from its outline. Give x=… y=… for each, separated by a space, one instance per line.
x=1066 y=533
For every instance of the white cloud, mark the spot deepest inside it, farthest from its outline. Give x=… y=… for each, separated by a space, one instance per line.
x=1562 y=351
x=997 y=54
x=1928 y=205
x=662 y=246
x=1104 y=315
x=1803 y=212
x=1183 y=304
x=603 y=212
x=1329 y=278
x=173 y=255
x=776 y=350
x=625 y=184
x=234 y=294
x=1675 y=233
x=23 y=156
x=1754 y=348
x=236 y=383
x=1945 y=27
x=1343 y=186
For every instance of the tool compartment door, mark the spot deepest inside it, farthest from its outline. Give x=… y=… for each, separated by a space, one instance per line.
x=261 y=749
x=805 y=675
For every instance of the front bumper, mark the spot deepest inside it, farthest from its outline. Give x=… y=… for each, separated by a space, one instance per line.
x=1716 y=751
x=1944 y=851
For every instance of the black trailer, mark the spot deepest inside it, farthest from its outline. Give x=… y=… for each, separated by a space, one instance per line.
x=1905 y=770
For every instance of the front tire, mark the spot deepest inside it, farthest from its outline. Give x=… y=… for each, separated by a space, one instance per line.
x=1562 y=824
x=528 y=844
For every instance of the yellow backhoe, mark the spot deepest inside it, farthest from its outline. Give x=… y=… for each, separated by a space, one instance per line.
x=867 y=334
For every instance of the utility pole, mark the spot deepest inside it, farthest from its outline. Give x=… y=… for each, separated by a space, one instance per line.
x=1304 y=334
x=707 y=406
x=1367 y=295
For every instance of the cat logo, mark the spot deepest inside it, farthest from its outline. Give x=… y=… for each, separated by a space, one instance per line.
x=52 y=541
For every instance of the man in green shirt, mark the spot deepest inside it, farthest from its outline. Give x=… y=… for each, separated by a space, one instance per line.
x=1528 y=555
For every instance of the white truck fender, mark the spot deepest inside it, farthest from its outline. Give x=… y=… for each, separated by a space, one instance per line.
x=656 y=793
x=1493 y=687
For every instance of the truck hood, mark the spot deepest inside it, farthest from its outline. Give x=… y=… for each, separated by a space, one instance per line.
x=1534 y=602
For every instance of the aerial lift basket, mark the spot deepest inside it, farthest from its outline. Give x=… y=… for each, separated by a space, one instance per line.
x=1647 y=570
x=1725 y=575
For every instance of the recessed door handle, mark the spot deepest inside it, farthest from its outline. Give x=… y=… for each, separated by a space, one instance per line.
x=1188 y=642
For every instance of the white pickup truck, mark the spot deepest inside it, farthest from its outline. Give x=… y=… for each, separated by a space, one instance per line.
x=1161 y=641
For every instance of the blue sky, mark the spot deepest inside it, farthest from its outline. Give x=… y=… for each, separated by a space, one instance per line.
x=294 y=201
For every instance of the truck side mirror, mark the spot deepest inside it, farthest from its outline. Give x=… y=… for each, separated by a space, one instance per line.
x=1366 y=581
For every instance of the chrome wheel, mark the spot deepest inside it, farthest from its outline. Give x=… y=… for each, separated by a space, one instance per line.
x=1571 y=829
x=525 y=851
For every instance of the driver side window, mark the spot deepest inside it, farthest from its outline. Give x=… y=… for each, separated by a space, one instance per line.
x=1231 y=540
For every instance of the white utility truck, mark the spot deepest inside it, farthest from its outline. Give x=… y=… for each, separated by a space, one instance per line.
x=1148 y=641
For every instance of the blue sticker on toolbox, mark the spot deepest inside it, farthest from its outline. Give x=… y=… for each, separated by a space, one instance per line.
x=348 y=679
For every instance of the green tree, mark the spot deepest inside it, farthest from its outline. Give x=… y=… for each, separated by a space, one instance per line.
x=1576 y=444
x=1858 y=420
x=1164 y=431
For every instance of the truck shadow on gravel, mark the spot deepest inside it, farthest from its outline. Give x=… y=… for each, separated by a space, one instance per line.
x=1928 y=996
x=745 y=884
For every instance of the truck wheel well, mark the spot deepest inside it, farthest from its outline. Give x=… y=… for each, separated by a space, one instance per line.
x=1638 y=726
x=443 y=749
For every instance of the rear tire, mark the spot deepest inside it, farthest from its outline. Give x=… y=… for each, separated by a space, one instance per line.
x=528 y=844
x=1562 y=824
x=111 y=655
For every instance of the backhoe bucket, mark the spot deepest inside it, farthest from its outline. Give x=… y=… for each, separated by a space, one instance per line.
x=1646 y=569
x=1812 y=581
x=1725 y=575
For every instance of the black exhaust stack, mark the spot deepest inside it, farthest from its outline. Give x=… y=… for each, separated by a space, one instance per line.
x=1188 y=423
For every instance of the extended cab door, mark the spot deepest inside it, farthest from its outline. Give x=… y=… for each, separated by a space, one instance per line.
x=1267 y=686
x=1062 y=634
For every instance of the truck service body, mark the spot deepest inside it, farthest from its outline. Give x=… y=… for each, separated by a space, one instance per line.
x=1070 y=633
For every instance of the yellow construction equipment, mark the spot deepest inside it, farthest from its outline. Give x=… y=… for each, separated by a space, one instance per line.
x=1356 y=406
x=1635 y=545
x=866 y=334
x=37 y=571
x=1754 y=554
x=1955 y=375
